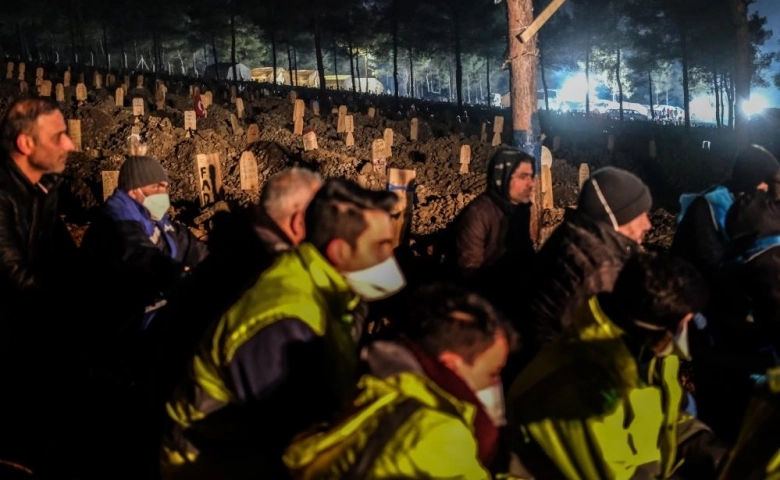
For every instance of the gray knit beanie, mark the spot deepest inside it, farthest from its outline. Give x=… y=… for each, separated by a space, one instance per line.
x=138 y=172
x=615 y=196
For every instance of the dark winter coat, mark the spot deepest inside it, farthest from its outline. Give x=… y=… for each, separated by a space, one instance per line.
x=582 y=258
x=136 y=260
x=34 y=247
x=753 y=262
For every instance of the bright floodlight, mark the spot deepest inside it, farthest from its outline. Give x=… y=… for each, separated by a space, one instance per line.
x=575 y=88
x=755 y=105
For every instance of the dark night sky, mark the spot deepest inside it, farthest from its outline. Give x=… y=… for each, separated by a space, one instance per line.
x=771 y=10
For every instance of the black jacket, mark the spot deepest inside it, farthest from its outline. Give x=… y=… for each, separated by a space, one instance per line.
x=34 y=248
x=582 y=258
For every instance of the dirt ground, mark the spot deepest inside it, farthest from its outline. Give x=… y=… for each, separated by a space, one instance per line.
x=440 y=194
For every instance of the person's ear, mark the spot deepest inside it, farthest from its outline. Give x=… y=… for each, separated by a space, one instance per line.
x=25 y=144
x=298 y=226
x=338 y=253
x=451 y=360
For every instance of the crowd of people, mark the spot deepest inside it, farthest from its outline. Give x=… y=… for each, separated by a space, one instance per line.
x=302 y=341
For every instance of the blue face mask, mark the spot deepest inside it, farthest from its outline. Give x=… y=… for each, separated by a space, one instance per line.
x=157 y=205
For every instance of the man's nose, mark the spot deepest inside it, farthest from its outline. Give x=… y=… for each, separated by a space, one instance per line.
x=67 y=144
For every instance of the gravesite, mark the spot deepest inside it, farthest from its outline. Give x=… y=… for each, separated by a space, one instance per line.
x=502 y=239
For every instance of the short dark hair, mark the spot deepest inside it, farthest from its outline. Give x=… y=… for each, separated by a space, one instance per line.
x=442 y=317
x=655 y=288
x=337 y=211
x=20 y=119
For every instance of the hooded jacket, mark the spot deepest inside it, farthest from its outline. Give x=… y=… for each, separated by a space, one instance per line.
x=492 y=236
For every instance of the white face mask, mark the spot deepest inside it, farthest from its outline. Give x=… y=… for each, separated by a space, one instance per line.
x=679 y=345
x=377 y=282
x=158 y=205
x=492 y=399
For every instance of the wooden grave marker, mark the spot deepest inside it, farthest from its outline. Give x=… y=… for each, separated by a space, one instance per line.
x=388 y=138
x=233 y=94
x=340 y=126
x=235 y=126
x=379 y=156
x=240 y=108
x=547 y=157
x=208 y=174
x=315 y=108
x=190 y=121
x=110 y=180
x=97 y=80
x=349 y=126
x=547 y=189
x=371 y=112
x=398 y=181
x=119 y=97
x=414 y=129
x=207 y=99
x=252 y=133
x=465 y=158
x=584 y=174
x=498 y=128
x=9 y=73
x=66 y=78
x=21 y=70
x=59 y=92
x=39 y=72
x=293 y=96
x=138 y=106
x=45 y=90
x=81 y=78
x=74 y=132
x=110 y=80
x=126 y=82
x=247 y=166
x=81 y=92
x=159 y=95
x=298 y=112
x=139 y=81
x=310 y=141
x=23 y=87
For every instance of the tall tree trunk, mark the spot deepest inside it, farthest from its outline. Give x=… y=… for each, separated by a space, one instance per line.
x=105 y=46
x=318 y=55
x=619 y=82
x=233 y=40
x=357 y=71
x=743 y=61
x=351 y=53
x=650 y=91
x=587 y=76
x=214 y=52
x=412 y=91
x=395 y=53
x=525 y=121
x=686 y=77
x=487 y=79
x=273 y=59
x=716 y=90
x=730 y=96
x=543 y=74
x=290 y=64
x=458 y=63
x=295 y=63
x=335 y=64
x=73 y=54
x=123 y=62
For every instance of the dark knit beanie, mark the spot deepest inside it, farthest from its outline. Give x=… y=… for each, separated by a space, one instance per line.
x=753 y=166
x=614 y=196
x=138 y=172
